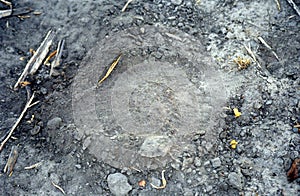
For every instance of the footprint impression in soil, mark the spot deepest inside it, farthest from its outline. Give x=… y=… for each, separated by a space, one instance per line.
x=164 y=90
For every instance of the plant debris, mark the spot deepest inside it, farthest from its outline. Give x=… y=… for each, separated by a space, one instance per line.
x=293 y=172
x=12 y=159
x=233 y=144
x=33 y=166
x=236 y=112
x=111 y=68
x=242 y=63
x=294 y=6
x=28 y=105
x=163 y=180
x=126 y=5
x=36 y=60
x=57 y=59
x=58 y=187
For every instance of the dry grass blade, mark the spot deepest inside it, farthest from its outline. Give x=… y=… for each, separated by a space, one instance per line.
x=57 y=60
x=59 y=188
x=12 y=159
x=111 y=68
x=50 y=56
x=33 y=166
x=252 y=55
x=126 y=5
x=278 y=5
x=294 y=6
x=36 y=60
x=163 y=180
x=28 y=105
x=268 y=46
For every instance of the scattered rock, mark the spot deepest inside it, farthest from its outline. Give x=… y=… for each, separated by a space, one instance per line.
x=54 y=123
x=118 y=184
x=155 y=146
x=216 y=162
x=235 y=180
x=176 y=2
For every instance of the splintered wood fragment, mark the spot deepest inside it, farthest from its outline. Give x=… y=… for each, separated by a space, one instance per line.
x=28 y=105
x=278 y=5
x=252 y=55
x=58 y=187
x=21 y=11
x=33 y=166
x=111 y=68
x=126 y=5
x=6 y=2
x=12 y=159
x=15 y=12
x=293 y=172
x=37 y=58
x=163 y=180
x=268 y=46
x=42 y=52
x=57 y=59
x=294 y=6
x=5 y=13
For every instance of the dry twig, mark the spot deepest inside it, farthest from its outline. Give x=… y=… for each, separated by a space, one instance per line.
x=12 y=159
x=57 y=60
x=33 y=166
x=294 y=6
x=126 y=5
x=28 y=105
x=268 y=46
x=36 y=60
x=252 y=55
x=59 y=188
x=5 y=13
x=278 y=5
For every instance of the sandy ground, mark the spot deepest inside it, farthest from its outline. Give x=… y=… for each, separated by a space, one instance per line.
x=167 y=106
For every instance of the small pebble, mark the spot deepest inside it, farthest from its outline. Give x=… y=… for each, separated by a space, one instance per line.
x=176 y=2
x=118 y=184
x=216 y=162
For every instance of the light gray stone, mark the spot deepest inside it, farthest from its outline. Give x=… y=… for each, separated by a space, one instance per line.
x=216 y=162
x=176 y=2
x=235 y=180
x=54 y=123
x=118 y=184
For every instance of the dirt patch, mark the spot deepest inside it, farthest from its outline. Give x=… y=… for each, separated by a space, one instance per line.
x=81 y=135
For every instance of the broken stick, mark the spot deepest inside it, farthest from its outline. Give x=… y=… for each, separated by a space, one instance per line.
x=268 y=46
x=36 y=60
x=28 y=105
x=294 y=6
x=12 y=159
x=126 y=5
x=57 y=59
x=252 y=55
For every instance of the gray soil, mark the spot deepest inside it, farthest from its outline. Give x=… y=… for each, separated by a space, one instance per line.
x=166 y=106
